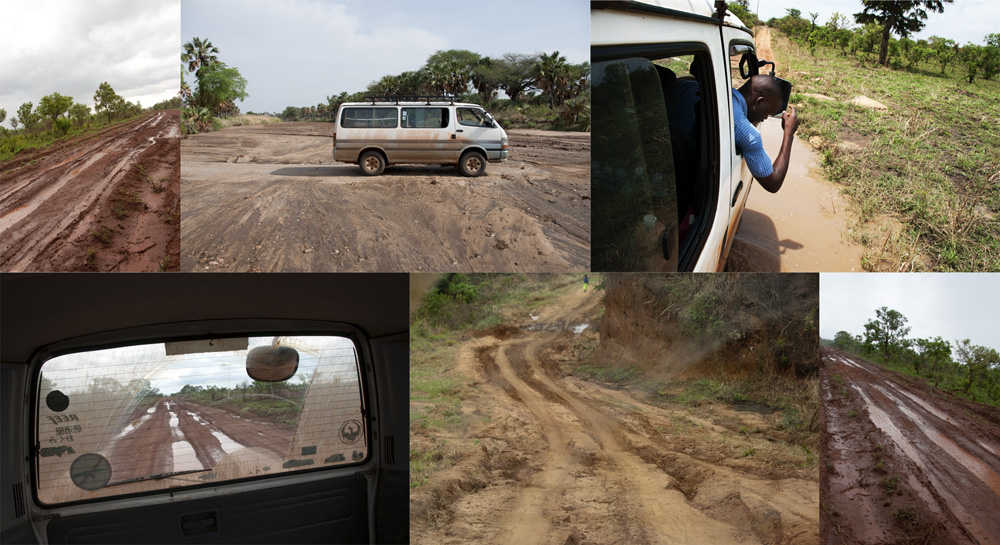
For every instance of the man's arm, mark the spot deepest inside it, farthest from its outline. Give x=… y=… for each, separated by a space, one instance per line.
x=772 y=182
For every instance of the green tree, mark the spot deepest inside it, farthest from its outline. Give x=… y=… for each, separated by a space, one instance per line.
x=515 y=74
x=933 y=353
x=977 y=359
x=944 y=51
x=843 y=340
x=54 y=105
x=218 y=84
x=27 y=116
x=105 y=99
x=80 y=113
x=198 y=54
x=3 y=115
x=899 y=16
x=552 y=75
x=887 y=332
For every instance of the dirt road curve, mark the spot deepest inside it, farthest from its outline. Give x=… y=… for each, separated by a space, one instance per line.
x=905 y=463
x=572 y=462
x=52 y=201
x=180 y=436
x=270 y=198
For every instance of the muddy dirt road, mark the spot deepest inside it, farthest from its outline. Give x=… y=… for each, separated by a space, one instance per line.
x=270 y=198
x=108 y=201
x=801 y=227
x=556 y=459
x=906 y=463
x=198 y=438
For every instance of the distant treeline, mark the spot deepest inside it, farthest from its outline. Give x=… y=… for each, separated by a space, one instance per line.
x=873 y=40
x=541 y=89
x=58 y=116
x=964 y=368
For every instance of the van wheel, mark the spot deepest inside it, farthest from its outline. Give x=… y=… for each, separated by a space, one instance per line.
x=371 y=163
x=472 y=164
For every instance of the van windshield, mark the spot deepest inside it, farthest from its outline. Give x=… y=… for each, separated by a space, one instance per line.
x=153 y=416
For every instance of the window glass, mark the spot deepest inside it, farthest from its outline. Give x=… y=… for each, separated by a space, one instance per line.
x=368 y=118
x=473 y=117
x=156 y=416
x=424 y=118
x=635 y=201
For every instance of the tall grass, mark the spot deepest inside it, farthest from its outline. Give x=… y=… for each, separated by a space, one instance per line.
x=924 y=176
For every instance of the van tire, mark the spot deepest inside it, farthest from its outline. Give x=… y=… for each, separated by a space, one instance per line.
x=472 y=163
x=372 y=163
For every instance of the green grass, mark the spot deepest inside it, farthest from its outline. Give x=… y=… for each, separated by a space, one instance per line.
x=104 y=234
x=924 y=176
x=13 y=142
x=889 y=485
x=620 y=376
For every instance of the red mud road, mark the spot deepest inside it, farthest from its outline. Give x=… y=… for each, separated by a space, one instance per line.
x=180 y=436
x=905 y=463
x=270 y=198
x=122 y=182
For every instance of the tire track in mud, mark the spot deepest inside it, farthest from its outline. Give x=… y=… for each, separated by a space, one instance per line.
x=47 y=206
x=946 y=457
x=598 y=477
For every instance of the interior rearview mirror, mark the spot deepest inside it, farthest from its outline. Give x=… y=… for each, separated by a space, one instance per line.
x=272 y=363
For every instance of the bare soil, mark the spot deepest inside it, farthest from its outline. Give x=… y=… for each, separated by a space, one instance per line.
x=551 y=458
x=84 y=204
x=905 y=463
x=270 y=198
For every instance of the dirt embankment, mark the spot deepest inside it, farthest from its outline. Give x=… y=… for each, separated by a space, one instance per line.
x=270 y=198
x=905 y=463
x=108 y=201
x=675 y=326
x=551 y=458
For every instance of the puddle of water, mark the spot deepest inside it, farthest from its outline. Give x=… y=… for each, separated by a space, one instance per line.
x=801 y=224
x=17 y=215
x=132 y=426
x=227 y=443
x=751 y=407
x=174 y=421
x=185 y=458
x=579 y=329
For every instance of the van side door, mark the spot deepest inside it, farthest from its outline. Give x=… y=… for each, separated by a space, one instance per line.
x=737 y=43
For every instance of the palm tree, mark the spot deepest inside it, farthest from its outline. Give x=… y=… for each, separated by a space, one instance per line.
x=551 y=75
x=198 y=53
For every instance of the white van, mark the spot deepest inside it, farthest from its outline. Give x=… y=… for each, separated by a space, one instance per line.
x=669 y=185
x=417 y=129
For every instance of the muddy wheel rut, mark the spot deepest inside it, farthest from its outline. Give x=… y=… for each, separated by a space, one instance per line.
x=53 y=199
x=907 y=463
x=591 y=465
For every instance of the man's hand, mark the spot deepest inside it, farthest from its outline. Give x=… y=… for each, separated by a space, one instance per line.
x=793 y=120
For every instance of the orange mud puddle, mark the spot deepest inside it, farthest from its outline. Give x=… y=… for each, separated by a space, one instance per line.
x=801 y=228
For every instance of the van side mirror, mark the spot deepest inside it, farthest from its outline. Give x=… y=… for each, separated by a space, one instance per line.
x=272 y=363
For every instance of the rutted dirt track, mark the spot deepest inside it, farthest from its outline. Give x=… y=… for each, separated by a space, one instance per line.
x=198 y=438
x=270 y=198
x=53 y=200
x=905 y=463
x=562 y=460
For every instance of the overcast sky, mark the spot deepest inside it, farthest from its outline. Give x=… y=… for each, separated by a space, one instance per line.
x=71 y=46
x=953 y=305
x=297 y=52
x=963 y=21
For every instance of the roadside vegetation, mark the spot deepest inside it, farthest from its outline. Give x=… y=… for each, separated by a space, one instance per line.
x=542 y=90
x=277 y=403
x=58 y=117
x=217 y=88
x=921 y=166
x=961 y=368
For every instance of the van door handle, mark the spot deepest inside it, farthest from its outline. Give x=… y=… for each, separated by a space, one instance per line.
x=459 y=130
x=736 y=194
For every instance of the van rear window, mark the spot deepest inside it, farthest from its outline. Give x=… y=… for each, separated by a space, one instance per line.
x=156 y=416
x=369 y=118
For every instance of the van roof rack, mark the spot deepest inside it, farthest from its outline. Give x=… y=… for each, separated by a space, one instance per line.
x=410 y=98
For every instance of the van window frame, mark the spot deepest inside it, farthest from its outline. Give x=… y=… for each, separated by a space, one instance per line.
x=181 y=332
x=445 y=116
x=694 y=245
x=343 y=116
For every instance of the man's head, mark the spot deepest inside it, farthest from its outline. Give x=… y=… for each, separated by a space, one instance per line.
x=763 y=96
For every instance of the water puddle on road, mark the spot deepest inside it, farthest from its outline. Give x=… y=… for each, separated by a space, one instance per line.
x=799 y=228
x=227 y=443
x=185 y=458
x=579 y=329
x=8 y=221
x=751 y=407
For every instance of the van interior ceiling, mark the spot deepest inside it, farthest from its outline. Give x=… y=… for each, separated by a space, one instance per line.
x=291 y=425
